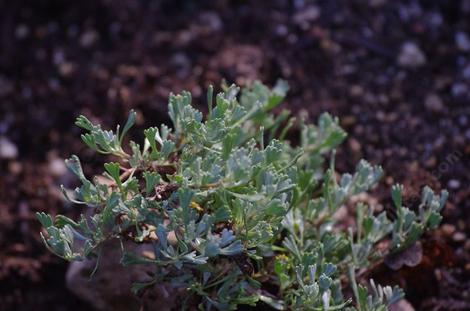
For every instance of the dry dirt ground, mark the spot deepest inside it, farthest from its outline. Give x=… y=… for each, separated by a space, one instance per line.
x=397 y=73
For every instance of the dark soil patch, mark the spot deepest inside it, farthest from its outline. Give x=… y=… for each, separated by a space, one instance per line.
x=408 y=111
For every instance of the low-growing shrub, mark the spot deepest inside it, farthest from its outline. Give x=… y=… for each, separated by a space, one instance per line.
x=234 y=212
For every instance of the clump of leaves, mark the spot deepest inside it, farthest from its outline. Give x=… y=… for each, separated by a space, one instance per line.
x=235 y=213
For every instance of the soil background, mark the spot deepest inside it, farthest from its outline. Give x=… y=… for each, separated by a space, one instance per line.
x=397 y=73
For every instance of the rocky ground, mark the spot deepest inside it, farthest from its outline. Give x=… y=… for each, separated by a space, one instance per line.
x=397 y=73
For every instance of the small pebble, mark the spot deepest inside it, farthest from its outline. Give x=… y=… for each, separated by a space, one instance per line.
x=66 y=69
x=211 y=20
x=88 y=38
x=281 y=30
x=466 y=72
x=462 y=41
x=448 y=229
x=354 y=145
x=356 y=90
x=401 y=305
x=8 y=150
x=434 y=103
x=459 y=237
x=22 y=31
x=459 y=89
x=15 y=167
x=467 y=134
x=307 y=15
x=454 y=184
x=57 y=167
x=411 y=55
x=463 y=120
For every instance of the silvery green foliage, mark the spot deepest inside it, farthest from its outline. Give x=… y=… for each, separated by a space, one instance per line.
x=232 y=208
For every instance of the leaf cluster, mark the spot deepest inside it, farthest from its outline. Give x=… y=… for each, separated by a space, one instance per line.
x=231 y=208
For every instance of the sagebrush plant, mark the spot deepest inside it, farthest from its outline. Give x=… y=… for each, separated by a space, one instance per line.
x=234 y=212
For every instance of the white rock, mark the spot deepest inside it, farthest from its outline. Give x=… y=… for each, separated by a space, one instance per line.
x=57 y=166
x=8 y=150
x=411 y=55
x=454 y=184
